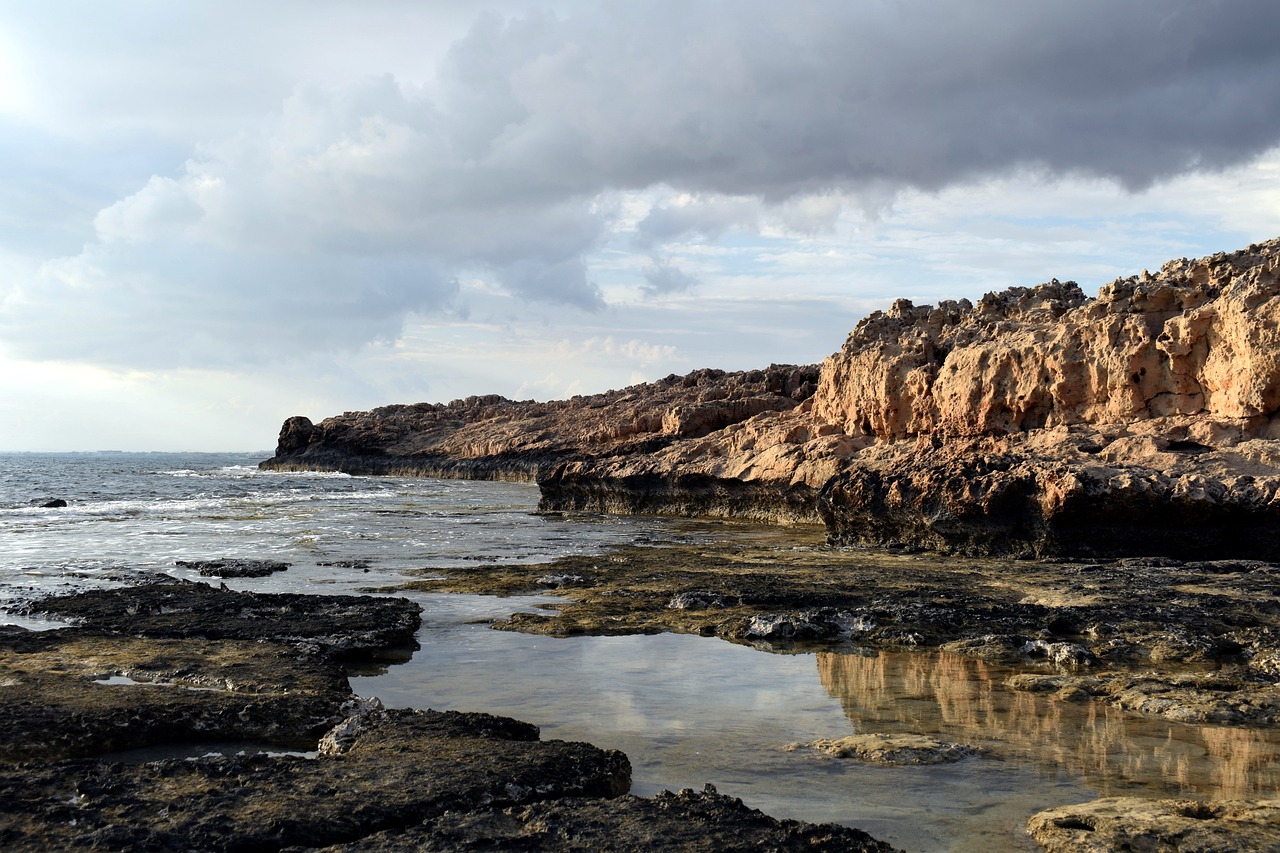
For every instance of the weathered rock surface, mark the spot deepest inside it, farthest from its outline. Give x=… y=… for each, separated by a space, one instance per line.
x=349 y=625
x=683 y=821
x=404 y=768
x=1070 y=491
x=1038 y=422
x=891 y=750
x=247 y=675
x=72 y=693
x=1041 y=422
x=233 y=568
x=1128 y=823
x=1199 y=338
x=177 y=662
x=494 y=438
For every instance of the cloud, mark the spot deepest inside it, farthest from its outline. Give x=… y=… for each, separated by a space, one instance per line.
x=762 y=100
x=663 y=277
x=354 y=204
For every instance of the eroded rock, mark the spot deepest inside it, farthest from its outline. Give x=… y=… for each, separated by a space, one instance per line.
x=490 y=437
x=347 y=624
x=1038 y=422
x=234 y=568
x=402 y=769
x=682 y=821
x=1130 y=823
x=891 y=750
x=74 y=692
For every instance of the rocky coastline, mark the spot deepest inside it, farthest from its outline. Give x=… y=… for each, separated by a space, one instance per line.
x=1086 y=489
x=1039 y=422
x=284 y=756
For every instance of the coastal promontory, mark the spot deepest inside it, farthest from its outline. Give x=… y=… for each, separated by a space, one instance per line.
x=1039 y=421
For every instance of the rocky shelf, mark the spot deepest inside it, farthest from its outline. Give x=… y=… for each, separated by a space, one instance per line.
x=188 y=669
x=1038 y=422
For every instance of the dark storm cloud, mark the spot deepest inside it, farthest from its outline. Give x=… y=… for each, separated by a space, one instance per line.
x=767 y=99
x=354 y=205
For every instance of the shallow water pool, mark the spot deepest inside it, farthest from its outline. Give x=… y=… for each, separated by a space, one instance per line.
x=689 y=710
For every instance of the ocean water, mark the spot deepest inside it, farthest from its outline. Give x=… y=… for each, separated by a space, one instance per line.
x=687 y=710
x=142 y=512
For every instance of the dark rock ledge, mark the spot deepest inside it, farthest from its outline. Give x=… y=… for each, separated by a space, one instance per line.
x=186 y=665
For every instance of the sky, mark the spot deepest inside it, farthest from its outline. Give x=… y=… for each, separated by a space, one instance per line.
x=216 y=215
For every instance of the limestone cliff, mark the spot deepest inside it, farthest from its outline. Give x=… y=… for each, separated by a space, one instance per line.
x=1037 y=422
x=1198 y=338
x=1040 y=422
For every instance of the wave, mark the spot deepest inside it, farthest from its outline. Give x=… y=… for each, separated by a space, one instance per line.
x=252 y=472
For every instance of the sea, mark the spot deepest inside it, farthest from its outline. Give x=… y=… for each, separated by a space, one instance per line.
x=686 y=710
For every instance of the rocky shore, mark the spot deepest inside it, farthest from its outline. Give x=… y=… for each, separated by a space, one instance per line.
x=1189 y=643
x=1086 y=488
x=1038 y=422
x=281 y=754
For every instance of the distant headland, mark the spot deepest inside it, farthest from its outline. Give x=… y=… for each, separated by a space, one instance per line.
x=1038 y=422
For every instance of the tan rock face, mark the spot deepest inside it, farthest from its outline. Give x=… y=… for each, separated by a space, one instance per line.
x=1131 y=823
x=1038 y=422
x=1198 y=338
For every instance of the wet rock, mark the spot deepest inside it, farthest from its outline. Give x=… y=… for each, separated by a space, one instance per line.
x=346 y=624
x=346 y=564
x=992 y=647
x=234 y=568
x=56 y=503
x=360 y=711
x=683 y=821
x=892 y=749
x=558 y=581
x=383 y=779
x=696 y=600
x=1062 y=655
x=821 y=624
x=1130 y=823
x=407 y=767
x=73 y=692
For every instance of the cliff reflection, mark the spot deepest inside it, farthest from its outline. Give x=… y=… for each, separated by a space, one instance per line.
x=965 y=700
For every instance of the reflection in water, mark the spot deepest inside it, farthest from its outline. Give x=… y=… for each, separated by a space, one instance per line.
x=689 y=710
x=965 y=700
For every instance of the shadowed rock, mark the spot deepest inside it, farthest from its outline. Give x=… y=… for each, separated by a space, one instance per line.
x=346 y=624
x=231 y=568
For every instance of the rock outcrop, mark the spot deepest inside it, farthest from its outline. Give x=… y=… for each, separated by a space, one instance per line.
x=492 y=437
x=1131 y=823
x=1038 y=422
x=255 y=741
